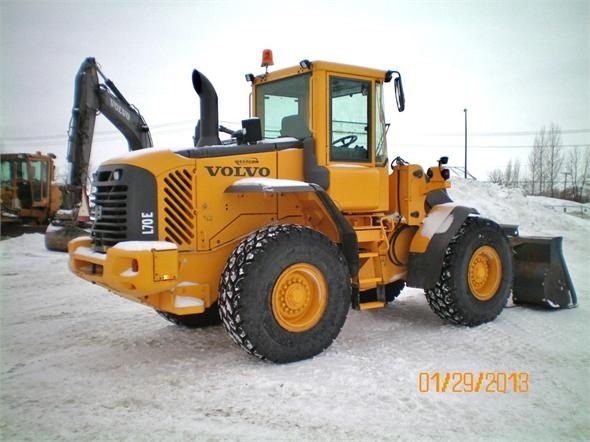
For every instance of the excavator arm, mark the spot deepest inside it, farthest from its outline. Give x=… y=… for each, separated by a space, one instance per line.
x=94 y=93
x=92 y=97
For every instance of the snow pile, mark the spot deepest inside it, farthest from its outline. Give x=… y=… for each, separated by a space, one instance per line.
x=510 y=206
x=78 y=363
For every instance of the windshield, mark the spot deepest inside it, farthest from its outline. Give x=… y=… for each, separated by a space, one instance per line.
x=283 y=107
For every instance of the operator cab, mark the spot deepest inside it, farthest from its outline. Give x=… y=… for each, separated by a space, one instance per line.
x=340 y=107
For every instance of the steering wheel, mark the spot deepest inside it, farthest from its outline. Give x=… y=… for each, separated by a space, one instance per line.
x=345 y=141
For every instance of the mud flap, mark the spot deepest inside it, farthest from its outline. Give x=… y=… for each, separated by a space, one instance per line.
x=541 y=276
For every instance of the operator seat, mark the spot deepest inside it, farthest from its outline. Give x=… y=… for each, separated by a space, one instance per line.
x=294 y=126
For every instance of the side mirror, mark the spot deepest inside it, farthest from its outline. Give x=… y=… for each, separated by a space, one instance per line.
x=252 y=130
x=399 y=93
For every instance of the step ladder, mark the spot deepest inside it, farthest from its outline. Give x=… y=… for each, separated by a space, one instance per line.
x=380 y=301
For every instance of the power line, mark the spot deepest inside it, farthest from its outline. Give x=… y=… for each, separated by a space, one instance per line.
x=171 y=124
x=105 y=134
x=506 y=134
x=457 y=146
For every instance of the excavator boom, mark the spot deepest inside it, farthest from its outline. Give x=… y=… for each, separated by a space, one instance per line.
x=91 y=97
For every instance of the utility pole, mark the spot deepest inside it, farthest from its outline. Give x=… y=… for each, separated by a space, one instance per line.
x=465 y=111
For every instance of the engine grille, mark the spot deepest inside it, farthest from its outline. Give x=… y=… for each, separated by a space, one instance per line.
x=126 y=201
x=124 y=197
x=178 y=206
x=110 y=210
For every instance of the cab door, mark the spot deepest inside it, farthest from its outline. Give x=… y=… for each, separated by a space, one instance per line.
x=357 y=154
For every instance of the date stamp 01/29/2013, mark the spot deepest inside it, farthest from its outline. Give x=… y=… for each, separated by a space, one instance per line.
x=473 y=382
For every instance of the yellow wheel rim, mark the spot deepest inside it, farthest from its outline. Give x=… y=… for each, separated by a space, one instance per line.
x=484 y=273
x=299 y=297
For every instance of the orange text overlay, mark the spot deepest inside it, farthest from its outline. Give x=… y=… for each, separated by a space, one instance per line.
x=473 y=382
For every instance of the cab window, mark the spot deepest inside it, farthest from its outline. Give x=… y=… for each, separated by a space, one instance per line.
x=283 y=107
x=40 y=178
x=350 y=132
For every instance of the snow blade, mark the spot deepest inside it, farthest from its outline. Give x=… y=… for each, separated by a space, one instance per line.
x=540 y=273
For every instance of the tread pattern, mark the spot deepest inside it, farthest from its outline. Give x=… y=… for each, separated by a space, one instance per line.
x=231 y=290
x=444 y=298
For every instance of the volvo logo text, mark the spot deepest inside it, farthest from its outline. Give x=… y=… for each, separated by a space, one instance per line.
x=247 y=171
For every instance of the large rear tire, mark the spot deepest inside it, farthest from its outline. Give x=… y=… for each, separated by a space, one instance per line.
x=284 y=293
x=476 y=277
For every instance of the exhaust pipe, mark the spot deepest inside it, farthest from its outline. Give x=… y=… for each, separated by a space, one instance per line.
x=209 y=122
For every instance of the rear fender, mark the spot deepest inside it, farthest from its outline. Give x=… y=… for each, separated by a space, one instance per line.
x=427 y=249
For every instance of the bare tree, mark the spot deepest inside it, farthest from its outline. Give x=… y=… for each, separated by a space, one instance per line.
x=509 y=177
x=516 y=173
x=545 y=161
x=508 y=173
x=536 y=162
x=578 y=169
x=512 y=173
x=554 y=157
x=496 y=176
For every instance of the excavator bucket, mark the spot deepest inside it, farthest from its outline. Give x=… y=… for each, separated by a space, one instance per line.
x=57 y=237
x=540 y=273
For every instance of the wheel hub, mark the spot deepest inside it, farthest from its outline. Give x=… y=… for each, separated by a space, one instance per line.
x=484 y=273
x=299 y=297
x=295 y=295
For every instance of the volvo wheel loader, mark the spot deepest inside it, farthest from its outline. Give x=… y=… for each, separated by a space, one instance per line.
x=278 y=233
x=94 y=93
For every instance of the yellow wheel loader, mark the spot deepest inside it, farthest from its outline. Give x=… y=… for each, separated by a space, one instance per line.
x=30 y=196
x=299 y=216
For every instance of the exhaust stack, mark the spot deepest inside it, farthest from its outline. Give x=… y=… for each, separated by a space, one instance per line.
x=209 y=120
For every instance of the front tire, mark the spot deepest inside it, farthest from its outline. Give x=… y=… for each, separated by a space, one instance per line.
x=285 y=293
x=476 y=277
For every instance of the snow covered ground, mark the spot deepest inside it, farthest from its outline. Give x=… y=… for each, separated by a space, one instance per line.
x=78 y=363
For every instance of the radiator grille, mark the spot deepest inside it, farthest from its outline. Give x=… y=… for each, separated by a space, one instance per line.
x=110 y=211
x=124 y=197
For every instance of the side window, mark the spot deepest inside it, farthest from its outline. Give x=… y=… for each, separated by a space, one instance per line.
x=6 y=171
x=381 y=128
x=350 y=120
x=40 y=170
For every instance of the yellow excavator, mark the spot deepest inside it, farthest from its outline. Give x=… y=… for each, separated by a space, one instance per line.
x=300 y=217
x=92 y=95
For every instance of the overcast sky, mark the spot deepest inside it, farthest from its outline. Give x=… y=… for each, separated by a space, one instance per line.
x=516 y=65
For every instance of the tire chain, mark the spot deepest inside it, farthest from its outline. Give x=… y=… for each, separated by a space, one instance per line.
x=440 y=298
x=230 y=289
